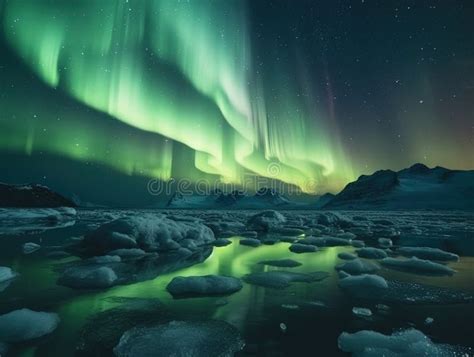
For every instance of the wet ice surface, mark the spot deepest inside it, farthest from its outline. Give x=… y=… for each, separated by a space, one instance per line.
x=109 y=289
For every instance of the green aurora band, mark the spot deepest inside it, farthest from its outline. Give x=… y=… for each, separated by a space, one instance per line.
x=184 y=73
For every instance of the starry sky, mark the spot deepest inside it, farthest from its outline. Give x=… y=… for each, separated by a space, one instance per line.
x=98 y=97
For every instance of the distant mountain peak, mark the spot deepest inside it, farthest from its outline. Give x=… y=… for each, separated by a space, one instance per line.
x=416 y=187
x=31 y=195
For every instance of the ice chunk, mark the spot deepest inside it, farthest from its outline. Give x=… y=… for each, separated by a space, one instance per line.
x=427 y=253
x=347 y=235
x=22 y=325
x=302 y=248
x=282 y=279
x=6 y=277
x=429 y=321
x=385 y=242
x=284 y=263
x=358 y=243
x=346 y=256
x=207 y=285
x=358 y=266
x=88 y=277
x=6 y=274
x=361 y=311
x=408 y=343
x=265 y=221
x=149 y=232
x=104 y=259
x=180 y=338
x=128 y=253
x=416 y=265
x=250 y=242
x=221 y=242
x=30 y=247
x=371 y=253
x=364 y=282
x=283 y=327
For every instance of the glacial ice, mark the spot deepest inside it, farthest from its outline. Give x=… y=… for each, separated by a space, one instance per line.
x=302 y=248
x=363 y=282
x=25 y=324
x=6 y=277
x=30 y=247
x=88 y=277
x=346 y=256
x=181 y=339
x=404 y=343
x=266 y=221
x=282 y=279
x=149 y=232
x=419 y=266
x=358 y=266
x=251 y=242
x=427 y=253
x=371 y=253
x=361 y=311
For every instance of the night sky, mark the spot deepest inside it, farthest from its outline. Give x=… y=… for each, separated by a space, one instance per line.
x=97 y=97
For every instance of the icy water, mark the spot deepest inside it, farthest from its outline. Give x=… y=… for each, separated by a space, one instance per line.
x=314 y=314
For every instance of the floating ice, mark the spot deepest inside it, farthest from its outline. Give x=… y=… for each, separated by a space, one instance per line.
x=25 y=324
x=408 y=343
x=221 y=242
x=363 y=283
x=265 y=221
x=385 y=242
x=149 y=232
x=358 y=266
x=416 y=265
x=361 y=311
x=6 y=277
x=30 y=247
x=180 y=338
x=346 y=256
x=251 y=242
x=88 y=277
x=427 y=253
x=282 y=279
x=302 y=248
x=371 y=253
x=207 y=285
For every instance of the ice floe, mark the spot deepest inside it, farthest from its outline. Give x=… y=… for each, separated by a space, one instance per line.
x=25 y=324
x=419 y=266
x=427 y=253
x=358 y=266
x=409 y=343
x=282 y=279
x=371 y=253
x=181 y=338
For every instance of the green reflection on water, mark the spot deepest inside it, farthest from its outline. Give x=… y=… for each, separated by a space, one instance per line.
x=234 y=260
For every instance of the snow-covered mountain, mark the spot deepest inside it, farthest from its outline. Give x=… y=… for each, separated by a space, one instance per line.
x=263 y=198
x=417 y=187
x=31 y=196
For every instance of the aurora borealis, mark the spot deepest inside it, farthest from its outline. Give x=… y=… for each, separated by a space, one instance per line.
x=209 y=89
